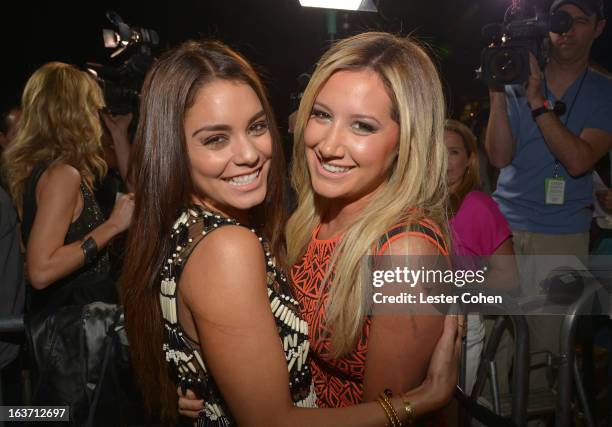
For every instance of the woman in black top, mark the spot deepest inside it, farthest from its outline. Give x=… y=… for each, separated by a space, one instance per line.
x=51 y=169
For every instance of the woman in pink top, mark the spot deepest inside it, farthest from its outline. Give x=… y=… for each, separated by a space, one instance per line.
x=477 y=227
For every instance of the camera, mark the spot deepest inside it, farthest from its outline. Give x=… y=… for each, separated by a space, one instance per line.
x=121 y=83
x=506 y=60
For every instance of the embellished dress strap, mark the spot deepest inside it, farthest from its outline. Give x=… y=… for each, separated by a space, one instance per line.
x=183 y=353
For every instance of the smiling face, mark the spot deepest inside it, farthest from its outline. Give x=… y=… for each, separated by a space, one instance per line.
x=351 y=139
x=575 y=45
x=229 y=147
x=458 y=159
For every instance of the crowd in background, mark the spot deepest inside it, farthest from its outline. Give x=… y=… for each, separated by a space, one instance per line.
x=520 y=180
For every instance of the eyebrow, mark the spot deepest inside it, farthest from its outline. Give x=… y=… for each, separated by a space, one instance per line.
x=355 y=116
x=224 y=127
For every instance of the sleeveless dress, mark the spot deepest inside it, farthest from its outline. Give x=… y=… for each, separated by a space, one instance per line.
x=339 y=382
x=87 y=284
x=187 y=364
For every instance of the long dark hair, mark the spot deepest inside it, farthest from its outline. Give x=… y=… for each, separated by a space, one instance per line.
x=161 y=175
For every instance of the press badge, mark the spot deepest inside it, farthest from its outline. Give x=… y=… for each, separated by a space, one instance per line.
x=554 y=188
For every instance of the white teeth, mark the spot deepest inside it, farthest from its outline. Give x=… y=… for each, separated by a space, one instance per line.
x=244 y=179
x=334 y=169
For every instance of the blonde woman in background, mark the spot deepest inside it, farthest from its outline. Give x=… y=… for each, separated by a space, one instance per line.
x=478 y=229
x=51 y=168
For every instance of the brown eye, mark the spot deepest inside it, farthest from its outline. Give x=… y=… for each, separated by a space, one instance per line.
x=363 y=127
x=214 y=140
x=259 y=128
x=319 y=114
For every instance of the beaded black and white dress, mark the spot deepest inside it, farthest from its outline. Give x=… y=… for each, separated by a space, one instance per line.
x=183 y=353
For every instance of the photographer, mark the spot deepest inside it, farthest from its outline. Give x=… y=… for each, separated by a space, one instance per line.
x=545 y=155
x=544 y=187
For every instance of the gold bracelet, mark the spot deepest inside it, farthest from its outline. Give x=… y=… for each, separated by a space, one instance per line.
x=409 y=411
x=390 y=422
x=386 y=395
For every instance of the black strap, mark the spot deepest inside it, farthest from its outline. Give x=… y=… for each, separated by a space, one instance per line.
x=412 y=227
x=28 y=201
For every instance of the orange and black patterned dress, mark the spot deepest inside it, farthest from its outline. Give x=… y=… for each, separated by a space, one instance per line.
x=339 y=382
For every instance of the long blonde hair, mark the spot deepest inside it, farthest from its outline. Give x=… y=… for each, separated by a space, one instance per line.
x=471 y=177
x=59 y=124
x=417 y=177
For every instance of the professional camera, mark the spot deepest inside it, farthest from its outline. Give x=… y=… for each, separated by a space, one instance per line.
x=121 y=83
x=506 y=60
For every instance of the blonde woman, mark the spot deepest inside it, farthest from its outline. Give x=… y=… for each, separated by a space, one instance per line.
x=369 y=167
x=51 y=169
x=478 y=229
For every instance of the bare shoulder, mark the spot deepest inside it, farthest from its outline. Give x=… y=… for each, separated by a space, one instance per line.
x=60 y=177
x=224 y=279
x=412 y=244
x=229 y=257
x=231 y=242
x=58 y=191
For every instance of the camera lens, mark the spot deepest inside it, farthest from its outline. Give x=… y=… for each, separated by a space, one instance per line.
x=506 y=65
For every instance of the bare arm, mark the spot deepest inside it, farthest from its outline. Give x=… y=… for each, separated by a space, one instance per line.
x=435 y=391
x=240 y=341
x=118 y=127
x=58 y=199
x=578 y=153
x=502 y=272
x=400 y=346
x=499 y=141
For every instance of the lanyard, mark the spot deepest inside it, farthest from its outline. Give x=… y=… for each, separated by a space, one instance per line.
x=569 y=111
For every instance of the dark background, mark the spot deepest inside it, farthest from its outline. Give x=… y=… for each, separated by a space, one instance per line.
x=281 y=37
